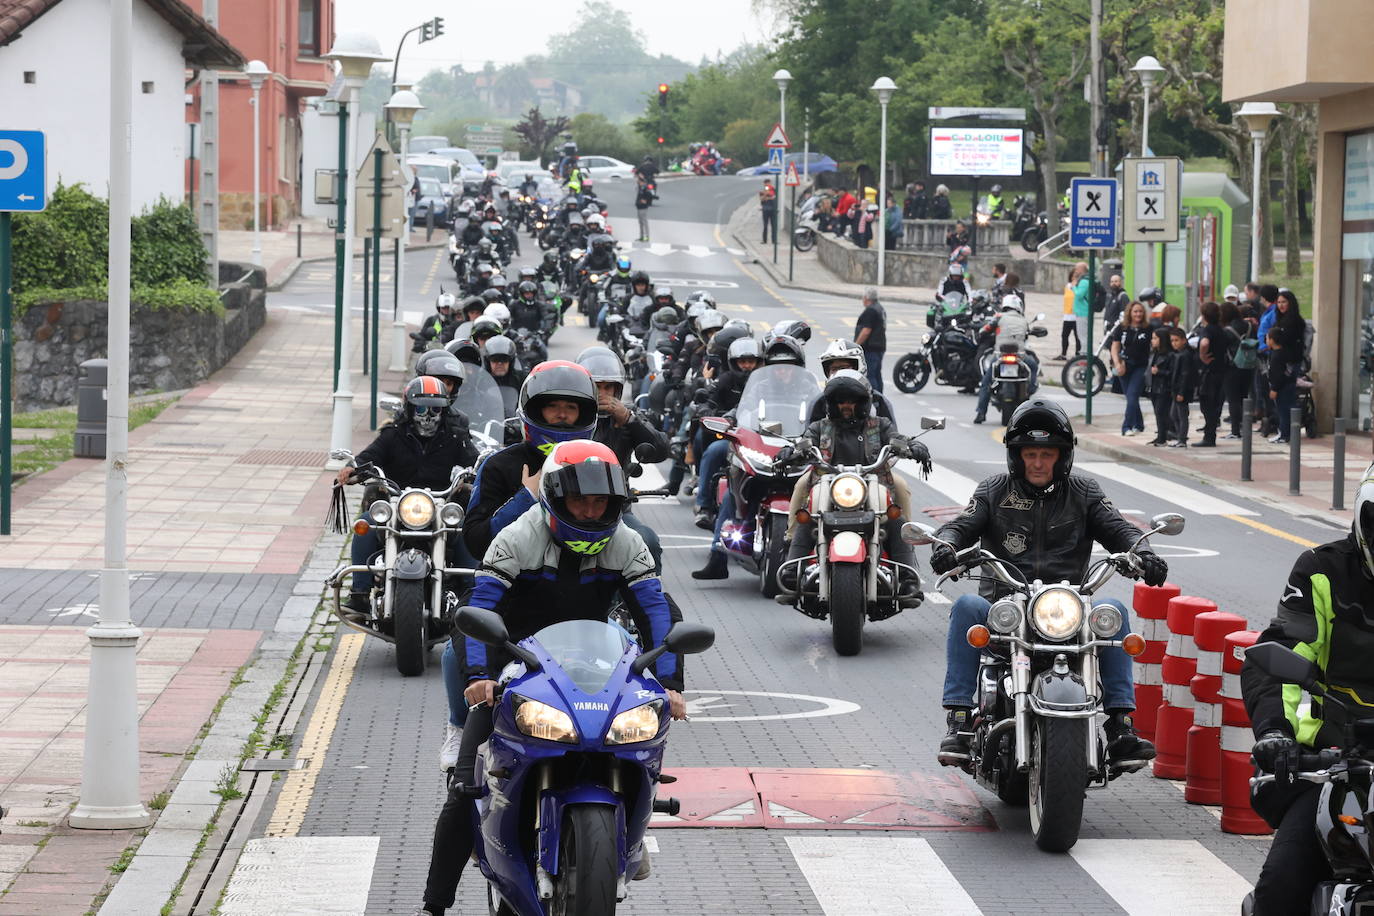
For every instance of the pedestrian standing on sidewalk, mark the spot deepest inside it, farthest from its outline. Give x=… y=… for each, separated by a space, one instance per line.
x=870 y=333
x=1131 y=361
x=1070 y=322
x=1184 y=376
x=643 y=200
x=846 y=203
x=1159 y=384
x=1242 y=348
x=1213 y=353
x=1117 y=300
x=939 y=206
x=1282 y=381
x=893 y=223
x=866 y=225
x=916 y=206
x=768 y=208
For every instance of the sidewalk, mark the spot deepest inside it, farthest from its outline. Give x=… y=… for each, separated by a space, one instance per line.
x=316 y=243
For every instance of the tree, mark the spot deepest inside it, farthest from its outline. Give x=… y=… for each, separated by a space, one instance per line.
x=539 y=133
x=1296 y=136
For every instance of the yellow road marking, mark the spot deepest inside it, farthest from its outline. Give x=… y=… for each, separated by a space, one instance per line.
x=433 y=269
x=299 y=785
x=1270 y=529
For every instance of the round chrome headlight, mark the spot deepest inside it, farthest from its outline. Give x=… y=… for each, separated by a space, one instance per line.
x=379 y=513
x=451 y=515
x=848 y=491
x=1057 y=613
x=925 y=339
x=1105 y=621
x=1004 y=617
x=416 y=510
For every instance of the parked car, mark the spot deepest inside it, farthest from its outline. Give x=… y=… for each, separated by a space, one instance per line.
x=432 y=197
x=418 y=146
x=818 y=162
x=474 y=172
x=442 y=169
x=600 y=168
x=511 y=173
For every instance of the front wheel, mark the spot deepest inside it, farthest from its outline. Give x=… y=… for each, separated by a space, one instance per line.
x=1081 y=371
x=1058 y=780
x=911 y=373
x=587 y=863
x=1031 y=238
x=1008 y=408
x=848 y=609
x=775 y=552
x=408 y=622
x=804 y=239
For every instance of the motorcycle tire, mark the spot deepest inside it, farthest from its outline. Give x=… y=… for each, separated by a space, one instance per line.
x=804 y=239
x=408 y=621
x=587 y=863
x=1075 y=376
x=1008 y=408
x=1031 y=238
x=498 y=909
x=774 y=553
x=1058 y=781
x=847 y=608
x=911 y=373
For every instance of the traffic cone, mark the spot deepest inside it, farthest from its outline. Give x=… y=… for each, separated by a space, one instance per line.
x=1237 y=816
x=1203 y=750
x=1151 y=606
x=1180 y=664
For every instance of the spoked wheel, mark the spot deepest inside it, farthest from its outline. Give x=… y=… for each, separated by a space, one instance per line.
x=498 y=909
x=1058 y=780
x=804 y=239
x=911 y=373
x=847 y=608
x=408 y=617
x=587 y=863
x=775 y=552
x=1076 y=375
x=1031 y=238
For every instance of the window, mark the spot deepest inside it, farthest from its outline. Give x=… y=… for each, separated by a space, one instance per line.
x=147 y=87
x=308 y=28
x=30 y=76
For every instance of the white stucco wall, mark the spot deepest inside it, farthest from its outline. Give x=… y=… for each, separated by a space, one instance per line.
x=320 y=150
x=68 y=51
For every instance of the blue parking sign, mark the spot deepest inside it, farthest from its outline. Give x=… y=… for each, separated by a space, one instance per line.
x=1092 y=213
x=23 y=171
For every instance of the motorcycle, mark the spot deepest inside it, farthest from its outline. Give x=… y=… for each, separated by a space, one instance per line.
x=1011 y=376
x=808 y=225
x=567 y=782
x=408 y=604
x=1035 y=738
x=950 y=352
x=1023 y=217
x=1343 y=806
x=773 y=410
x=848 y=578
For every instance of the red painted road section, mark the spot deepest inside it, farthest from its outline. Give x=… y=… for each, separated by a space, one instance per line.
x=822 y=799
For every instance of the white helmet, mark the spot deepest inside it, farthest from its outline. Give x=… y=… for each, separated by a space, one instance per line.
x=1363 y=523
x=1012 y=303
x=956 y=270
x=842 y=350
x=446 y=301
x=499 y=311
x=596 y=221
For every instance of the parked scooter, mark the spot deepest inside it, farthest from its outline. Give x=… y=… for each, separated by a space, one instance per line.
x=567 y=783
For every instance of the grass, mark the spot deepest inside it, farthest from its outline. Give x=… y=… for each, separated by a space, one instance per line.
x=227 y=787
x=46 y=454
x=159 y=801
x=33 y=824
x=1301 y=286
x=125 y=858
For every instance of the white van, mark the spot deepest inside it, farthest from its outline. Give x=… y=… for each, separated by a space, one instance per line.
x=442 y=169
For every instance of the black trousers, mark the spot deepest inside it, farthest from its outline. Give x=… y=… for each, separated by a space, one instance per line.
x=1210 y=397
x=453 y=832
x=1237 y=387
x=1065 y=330
x=1296 y=863
x=770 y=219
x=1164 y=404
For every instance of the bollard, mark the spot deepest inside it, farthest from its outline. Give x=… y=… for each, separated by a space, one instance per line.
x=1236 y=740
x=429 y=224
x=298 y=240
x=1247 y=437
x=92 y=378
x=1203 y=767
x=1175 y=715
x=1295 y=451
x=1338 y=465
x=1151 y=606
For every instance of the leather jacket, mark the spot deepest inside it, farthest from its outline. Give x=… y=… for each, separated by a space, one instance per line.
x=1047 y=535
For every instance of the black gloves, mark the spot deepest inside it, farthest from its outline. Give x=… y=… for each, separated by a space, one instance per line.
x=1152 y=569
x=943 y=558
x=784 y=455
x=1275 y=752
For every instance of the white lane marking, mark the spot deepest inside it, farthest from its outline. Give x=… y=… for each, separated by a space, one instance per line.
x=1150 y=877
x=951 y=483
x=657 y=248
x=303 y=874
x=737 y=252
x=900 y=876
x=698 y=251
x=791 y=815
x=936 y=598
x=1154 y=484
x=651 y=478
x=709 y=700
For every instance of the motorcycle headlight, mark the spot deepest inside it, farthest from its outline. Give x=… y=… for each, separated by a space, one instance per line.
x=540 y=720
x=1105 y=621
x=379 y=513
x=1004 y=617
x=416 y=510
x=634 y=725
x=756 y=457
x=848 y=491
x=595 y=278
x=451 y=515
x=1057 y=613
x=925 y=339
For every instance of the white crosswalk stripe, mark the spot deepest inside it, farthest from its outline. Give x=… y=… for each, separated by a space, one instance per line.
x=1152 y=877
x=1195 y=501
x=894 y=876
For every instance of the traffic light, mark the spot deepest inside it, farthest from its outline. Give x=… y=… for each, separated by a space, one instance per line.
x=438 y=26
x=662 y=95
x=426 y=31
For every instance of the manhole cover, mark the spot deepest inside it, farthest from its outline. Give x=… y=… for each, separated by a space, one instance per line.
x=262 y=765
x=295 y=458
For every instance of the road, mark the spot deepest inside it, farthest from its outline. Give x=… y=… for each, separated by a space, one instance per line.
x=772 y=695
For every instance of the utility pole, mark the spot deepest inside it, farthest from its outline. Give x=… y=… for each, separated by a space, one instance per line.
x=1099 y=169
x=209 y=154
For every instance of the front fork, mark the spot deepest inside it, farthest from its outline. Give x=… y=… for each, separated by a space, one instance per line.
x=1021 y=691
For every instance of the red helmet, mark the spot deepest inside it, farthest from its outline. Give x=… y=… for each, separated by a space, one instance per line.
x=582 y=467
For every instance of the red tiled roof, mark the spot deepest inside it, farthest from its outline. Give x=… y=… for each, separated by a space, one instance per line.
x=203 y=45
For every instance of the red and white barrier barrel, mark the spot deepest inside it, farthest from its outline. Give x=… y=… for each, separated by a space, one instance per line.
x=1203 y=749
x=1151 y=606
x=1179 y=666
x=1236 y=740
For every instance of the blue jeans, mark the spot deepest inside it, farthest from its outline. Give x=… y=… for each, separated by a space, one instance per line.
x=1132 y=384
x=961 y=659
x=362 y=549
x=454 y=685
x=715 y=455
x=985 y=389
x=874 y=359
x=1285 y=402
x=726 y=511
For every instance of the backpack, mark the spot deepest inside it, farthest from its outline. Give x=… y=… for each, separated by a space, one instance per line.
x=1245 y=353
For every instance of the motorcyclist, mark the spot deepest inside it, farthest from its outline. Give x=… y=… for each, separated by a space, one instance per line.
x=566 y=558
x=566 y=161
x=499 y=357
x=721 y=398
x=484 y=329
x=481 y=278
x=1011 y=327
x=1043 y=521
x=472 y=230
x=997 y=205
x=548 y=267
x=953 y=283
x=420 y=449
x=432 y=328
x=957 y=237
x=526 y=311
x=663 y=298
x=470 y=309
x=447 y=368
x=845 y=354
x=850 y=434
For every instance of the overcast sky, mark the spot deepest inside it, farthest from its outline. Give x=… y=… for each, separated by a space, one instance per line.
x=504 y=31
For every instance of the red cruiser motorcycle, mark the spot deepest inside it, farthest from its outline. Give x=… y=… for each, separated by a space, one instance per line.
x=772 y=412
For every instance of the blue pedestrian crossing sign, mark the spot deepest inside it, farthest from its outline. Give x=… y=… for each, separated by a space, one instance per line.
x=23 y=171
x=775 y=159
x=1092 y=213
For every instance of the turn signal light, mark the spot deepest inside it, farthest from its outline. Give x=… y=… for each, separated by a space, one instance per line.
x=803 y=517
x=361 y=527
x=894 y=512
x=1008 y=358
x=978 y=636
x=1133 y=644
x=1348 y=819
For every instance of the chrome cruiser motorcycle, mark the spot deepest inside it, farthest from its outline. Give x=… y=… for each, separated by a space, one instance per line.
x=1036 y=737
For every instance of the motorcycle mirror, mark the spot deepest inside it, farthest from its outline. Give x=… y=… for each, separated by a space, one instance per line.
x=917 y=535
x=1040 y=316
x=932 y=422
x=489 y=628
x=1283 y=663
x=685 y=638
x=614 y=319
x=1168 y=523
x=715 y=424
x=634 y=470
x=387 y=402
x=340 y=454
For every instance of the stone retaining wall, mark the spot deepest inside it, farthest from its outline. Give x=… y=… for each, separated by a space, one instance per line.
x=169 y=349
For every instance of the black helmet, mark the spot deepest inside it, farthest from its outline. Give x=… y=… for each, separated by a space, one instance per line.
x=551 y=258
x=500 y=347
x=443 y=365
x=465 y=351
x=665 y=319
x=556 y=379
x=847 y=385
x=484 y=328
x=527 y=286
x=1152 y=293
x=499 y=282
x=733 y=331
x=491 y=295
x=794 y=328
x=474 y=304
x=779 y=348
x=602 y=242
x=638 y=277
x=426 y=400
x=1038 y=422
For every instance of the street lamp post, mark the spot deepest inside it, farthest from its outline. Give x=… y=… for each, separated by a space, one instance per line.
x=257 y=74
x=782 y=78
x=401 y=109
x=1257 y=116
x=883 y=87
x=356 y=53
x=1148 y=69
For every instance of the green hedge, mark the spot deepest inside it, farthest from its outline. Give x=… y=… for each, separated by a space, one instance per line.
x=180 y=293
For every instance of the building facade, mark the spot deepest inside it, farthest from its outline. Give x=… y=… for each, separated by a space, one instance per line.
x=1306 y=51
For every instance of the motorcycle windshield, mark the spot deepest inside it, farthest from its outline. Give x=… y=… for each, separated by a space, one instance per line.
x=777 y=400
x=480 y=401
x=588 y=651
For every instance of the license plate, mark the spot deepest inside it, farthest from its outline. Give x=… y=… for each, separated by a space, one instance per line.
x=1009 y=370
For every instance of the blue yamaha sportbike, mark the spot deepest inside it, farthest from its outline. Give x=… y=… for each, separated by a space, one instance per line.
x=566 y=783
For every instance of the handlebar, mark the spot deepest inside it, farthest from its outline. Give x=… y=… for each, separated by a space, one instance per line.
x=1311 y=767
x=815 y=457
